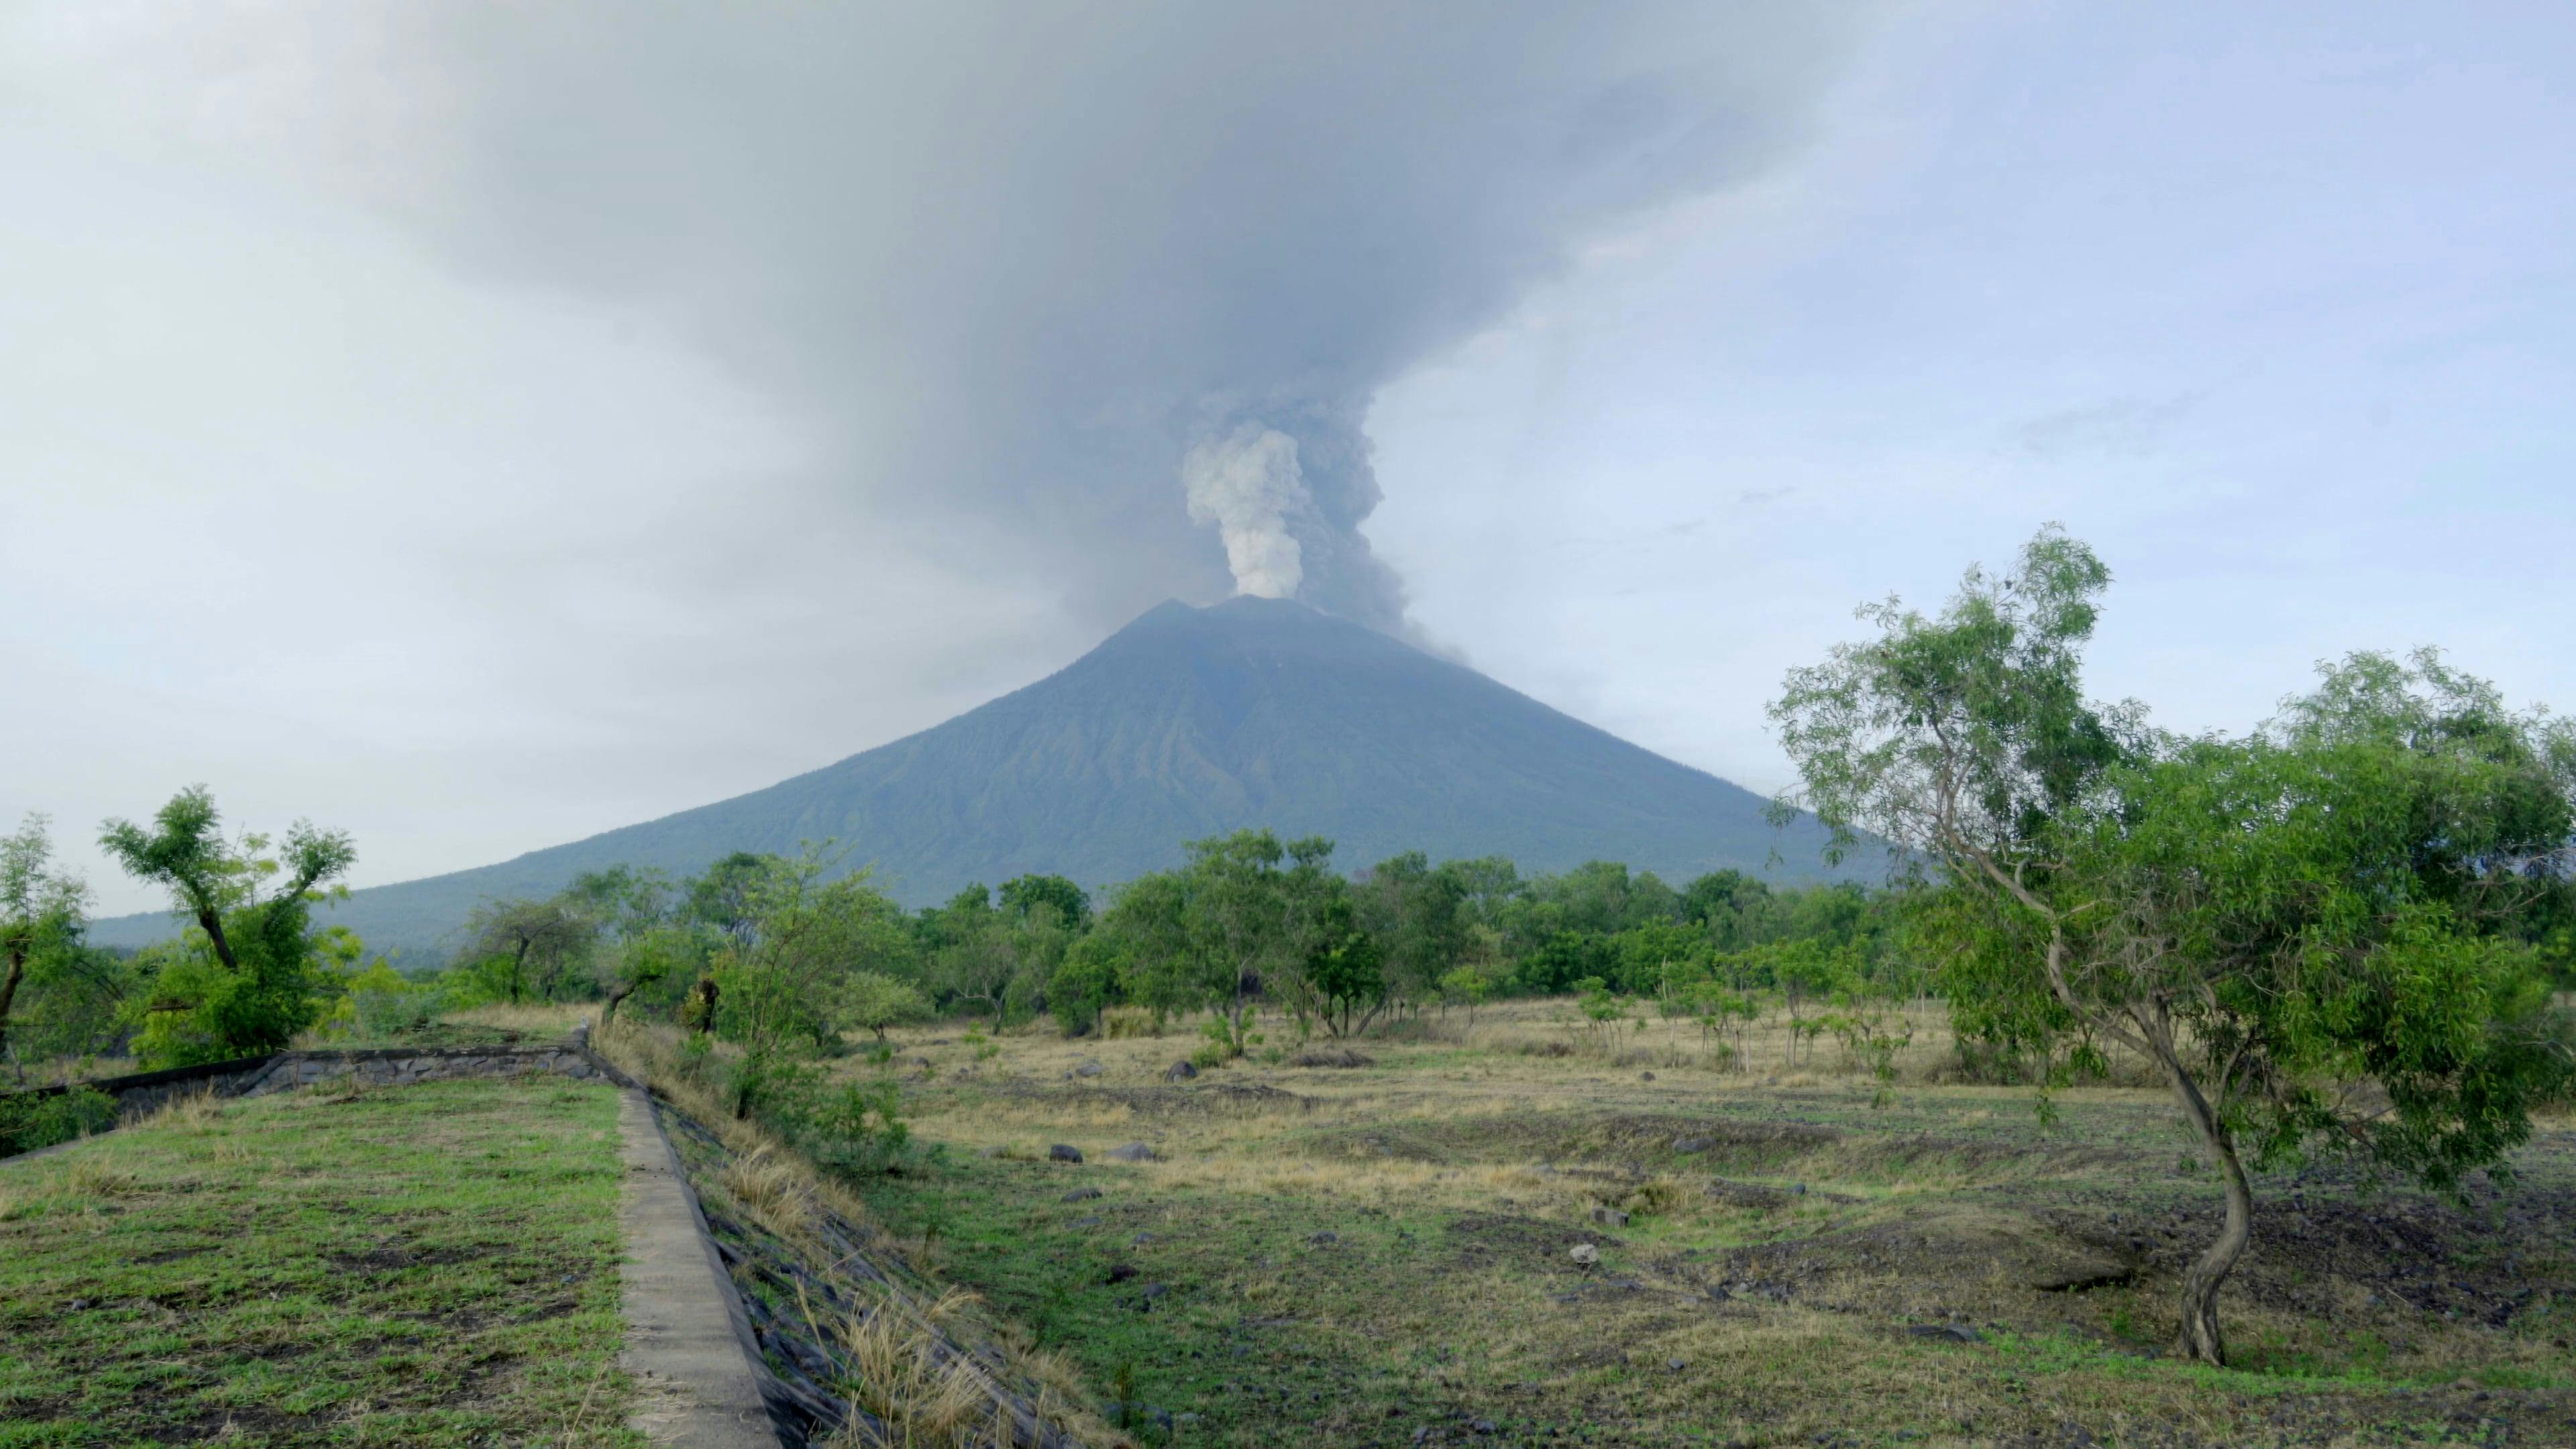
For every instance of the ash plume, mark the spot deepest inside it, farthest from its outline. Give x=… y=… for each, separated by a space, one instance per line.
x=1052 y=288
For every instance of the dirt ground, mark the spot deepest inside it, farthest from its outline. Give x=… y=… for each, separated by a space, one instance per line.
x=1792 y=1253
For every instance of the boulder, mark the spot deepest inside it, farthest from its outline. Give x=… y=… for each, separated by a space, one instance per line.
x=1180 y=1072
x=1082 y=1194
x=1585 y=1256
x=1061 y=1153
x=1610 y=1217
x=1087 y=1068
x=1132 y=1152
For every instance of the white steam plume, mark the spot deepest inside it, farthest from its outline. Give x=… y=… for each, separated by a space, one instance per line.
x=1249 y=485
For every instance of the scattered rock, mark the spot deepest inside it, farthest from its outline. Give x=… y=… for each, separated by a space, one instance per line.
x=1061 y=1153
x=1180 y=1072
x=1086 y=1222
x=1082 y=1194
x=1674 y=1364
x=1952 y=1332
x=1421 y=1434
x=1645 y=1076
x=1610 y=1217
x=1585 y=1256
x=1797 y=1189
x=1323 y=1239
x=1120 y=1273
x=1132 y=1152
x=1087 y=1068
x=1156 y=1290
x=1482 y=1426
x=1689 y=1145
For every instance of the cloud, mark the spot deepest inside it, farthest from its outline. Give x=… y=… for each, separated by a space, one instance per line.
x=1010 y=263
x=2121 y=427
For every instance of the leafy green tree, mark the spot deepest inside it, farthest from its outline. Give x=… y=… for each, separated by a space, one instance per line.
x=42 y=912
x=875 y=1002
x=785 y=992
x=2311 y=931
x=253 y=986
x=725 y=897
x=1416 y=916
x=1090 y=979
x=1025 y=895
x=639 y=944
x=1345 y=970
x=518 y=949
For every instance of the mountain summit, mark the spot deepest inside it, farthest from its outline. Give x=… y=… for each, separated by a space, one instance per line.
x=1187 y=723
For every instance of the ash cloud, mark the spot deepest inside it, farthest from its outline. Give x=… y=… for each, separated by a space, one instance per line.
x=1098 y=295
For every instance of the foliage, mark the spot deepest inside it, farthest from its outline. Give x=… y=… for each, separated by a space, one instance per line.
x=520 y=950
x=41 y=916
x=873 y=1001
x=30 y=1120
x=2319 y=932
x=245 y=981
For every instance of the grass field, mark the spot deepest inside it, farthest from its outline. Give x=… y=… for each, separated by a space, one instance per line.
x=428 y=1266
x=1380 y=1254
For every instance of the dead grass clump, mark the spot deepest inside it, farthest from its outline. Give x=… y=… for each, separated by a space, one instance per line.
x=1655 y=1197
x=1543 y=1046
x=192 y=1112
x=773 y=1191
x=527 y=1019
x=1120 y=1022
x=96 y=1177
x=1331 y=1057
x=905 y=1375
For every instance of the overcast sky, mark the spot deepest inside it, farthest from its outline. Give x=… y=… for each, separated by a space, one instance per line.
x=477 y=427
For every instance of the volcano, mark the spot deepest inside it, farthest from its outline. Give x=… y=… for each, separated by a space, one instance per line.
x=1187 y=723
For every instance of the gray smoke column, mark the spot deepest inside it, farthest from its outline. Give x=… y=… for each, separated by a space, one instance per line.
x=1053 y=287
x=1249 y=485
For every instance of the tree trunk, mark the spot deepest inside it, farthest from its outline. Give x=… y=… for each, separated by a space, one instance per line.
x=9 y=992
x=213 y=925
x=2199 y=1336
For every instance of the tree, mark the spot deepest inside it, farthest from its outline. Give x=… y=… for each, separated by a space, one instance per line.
x=974 y=956
x=1415 y=915
x=519 y=948
x=1345 y=970
x=785 y=991
x=252 y=989
x=42 y=912
x=1022 y=895
x=875 y=1001
x=639 y=946
x=2310 y=931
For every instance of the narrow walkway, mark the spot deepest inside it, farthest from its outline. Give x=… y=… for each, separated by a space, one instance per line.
x=686 y=1337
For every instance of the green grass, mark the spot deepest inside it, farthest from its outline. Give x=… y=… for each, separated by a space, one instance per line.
x=429 y=1266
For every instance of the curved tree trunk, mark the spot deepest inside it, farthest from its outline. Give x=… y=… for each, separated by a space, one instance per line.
x=2199 y=1336
x=9 y=992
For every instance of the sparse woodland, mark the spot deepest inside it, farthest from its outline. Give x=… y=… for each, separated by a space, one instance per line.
x=2133 y=1018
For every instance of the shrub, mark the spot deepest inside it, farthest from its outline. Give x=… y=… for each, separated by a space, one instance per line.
x=29 y=1121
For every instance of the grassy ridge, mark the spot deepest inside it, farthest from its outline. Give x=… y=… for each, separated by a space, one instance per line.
x=435 y=1265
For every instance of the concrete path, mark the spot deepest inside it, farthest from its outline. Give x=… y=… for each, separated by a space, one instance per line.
x=687 y=1342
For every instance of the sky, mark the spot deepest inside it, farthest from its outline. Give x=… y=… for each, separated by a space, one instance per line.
x=478 y=426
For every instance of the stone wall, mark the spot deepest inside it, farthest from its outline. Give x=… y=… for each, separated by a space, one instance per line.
x=142 y=1092
x=397 y=1067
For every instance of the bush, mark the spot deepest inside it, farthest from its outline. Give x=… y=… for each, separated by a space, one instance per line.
x=29 y=1121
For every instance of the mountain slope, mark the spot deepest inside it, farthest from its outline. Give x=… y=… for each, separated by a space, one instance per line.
x=1187 y=723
